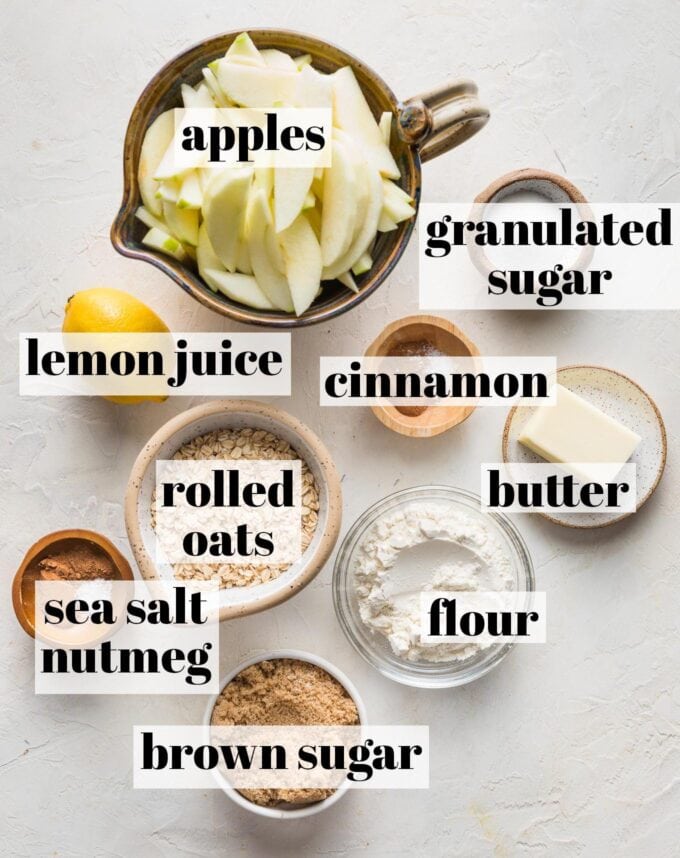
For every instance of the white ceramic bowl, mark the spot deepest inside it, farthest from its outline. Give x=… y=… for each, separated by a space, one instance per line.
x=236 y=414
x=282 y=812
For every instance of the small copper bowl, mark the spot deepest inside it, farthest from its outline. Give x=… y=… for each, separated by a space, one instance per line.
x=427 y=126
x=23 y=597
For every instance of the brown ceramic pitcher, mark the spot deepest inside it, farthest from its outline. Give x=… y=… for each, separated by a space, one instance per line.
x=427 y=126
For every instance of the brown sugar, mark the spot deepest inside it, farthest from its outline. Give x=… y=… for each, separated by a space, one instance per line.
x=284 y=691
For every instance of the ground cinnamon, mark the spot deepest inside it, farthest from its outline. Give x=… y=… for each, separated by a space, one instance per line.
x=414 y=348
x=75 y=560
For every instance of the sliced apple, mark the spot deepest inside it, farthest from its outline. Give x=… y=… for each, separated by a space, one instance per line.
x=278 y=60
x=385 y=125
x=363 y=264
x=243 y=263
x=191 y=193
x=156 y=141
x=198 y=97
x=211 y=82
x=272 y=282
x=367 y=230
x=347 y=280
x=385 y=223
x=168 y=191
x=241 y=288
x=224 y=203
x=182 y=223
x=302 y=256
x=149 y=220
x=302 y=61
x=206 y=258
x=314 y=217
x=338 y=215
x=353 y=115
x=251 y=86
x=243 y=50
x=264 y=179
x=313 y=89
x=160 y=240
x=398 y=206
x=291 y=186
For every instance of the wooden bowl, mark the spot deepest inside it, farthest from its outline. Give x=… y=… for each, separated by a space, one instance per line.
x=23 y=590
x=449 y=340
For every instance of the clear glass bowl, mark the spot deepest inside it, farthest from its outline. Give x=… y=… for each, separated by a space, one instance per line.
x=373 y=646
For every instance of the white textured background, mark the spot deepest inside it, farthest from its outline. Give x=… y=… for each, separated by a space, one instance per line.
x=567 y=749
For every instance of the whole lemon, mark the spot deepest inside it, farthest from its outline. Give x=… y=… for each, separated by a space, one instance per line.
x=102 y=310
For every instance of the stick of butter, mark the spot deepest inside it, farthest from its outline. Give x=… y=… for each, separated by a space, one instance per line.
x=573 y=430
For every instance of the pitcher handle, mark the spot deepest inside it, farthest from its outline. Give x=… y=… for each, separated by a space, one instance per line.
x=442 y=118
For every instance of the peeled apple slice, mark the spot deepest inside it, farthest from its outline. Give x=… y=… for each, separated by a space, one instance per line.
x=243 y=257
x=206 y=258
x=302 y=257
x=360 y=169
x=182 y=223
x=224 y=201
x=272 y=282
x=362 y=265
x=243 y=50
x=367 y=230
x=347 y=280
x=398 y=205
x=250 y=86
x=190 y=194
x=168 y=191
x=313 y=89
x=386 y=126
x=221 y=99
x=340 y=196
x=156 y=141
x=278 y=60
x=148 y=219
x=241 y=288
x=353 y=115
x=199 y=97
x=386 y=224
x=291 y=186
x=159 y=240
x=264 y=179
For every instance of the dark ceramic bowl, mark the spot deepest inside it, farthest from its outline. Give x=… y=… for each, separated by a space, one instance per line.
x=427 y=126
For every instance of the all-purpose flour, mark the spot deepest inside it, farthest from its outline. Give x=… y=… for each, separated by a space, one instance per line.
x=425 y=545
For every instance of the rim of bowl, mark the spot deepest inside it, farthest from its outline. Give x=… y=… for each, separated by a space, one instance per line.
x=190 y=281
x=445 y=675
x=336 y=673
x=147 y=456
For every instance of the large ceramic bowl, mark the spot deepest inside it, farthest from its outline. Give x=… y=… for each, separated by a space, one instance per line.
x=427 y=126
x=236 y=414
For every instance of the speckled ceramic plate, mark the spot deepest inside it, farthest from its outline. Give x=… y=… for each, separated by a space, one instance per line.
x=625 y=401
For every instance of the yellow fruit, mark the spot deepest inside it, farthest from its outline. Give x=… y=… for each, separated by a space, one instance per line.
x=109 y=311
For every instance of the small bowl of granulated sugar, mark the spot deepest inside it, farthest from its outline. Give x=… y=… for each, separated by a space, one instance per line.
x=285 y=688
